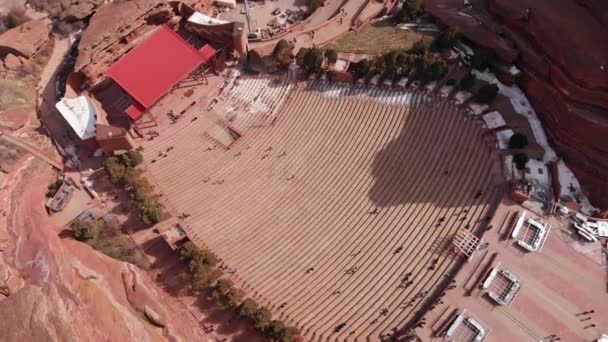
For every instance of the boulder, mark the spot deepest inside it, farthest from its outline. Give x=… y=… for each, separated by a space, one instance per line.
x=154 y=317
x=26 y=39
x=12 y=62
x=35 y=314
x=78 y=11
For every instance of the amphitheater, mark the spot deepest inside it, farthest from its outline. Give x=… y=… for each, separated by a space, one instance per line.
x=337 y=203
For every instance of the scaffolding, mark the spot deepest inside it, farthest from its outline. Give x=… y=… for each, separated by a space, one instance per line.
x=465 y=243
x=466 y=328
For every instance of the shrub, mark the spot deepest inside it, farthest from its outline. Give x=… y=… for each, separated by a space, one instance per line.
x=200 y=276
x=421 y=47
x=14 y=18
x=428 y=68
x=115 y=246
x=115 y=169
x=520 y=160
x=281 y=45
x=275 y=330
x=313 y=5
x=253 y=57
x=141 y=188
x=131 y=158
x=224 y=295
x=290 y=334
x=313 y=60
x=379 y=65
x=186 y=251
x=200 y=264
x=409 y=11
x=437 y=70
x=468 y=82
x=84 y=230
x=362 y=69
x=247 y=308
x=331 y=55
x=487 y=93
x=518 y=141
x=53 y=187
x=447 y=38
x=482 y=59
x=282 y=51
x=390 y=64
x=261 y=317
x=150 y=211
x=300 y=56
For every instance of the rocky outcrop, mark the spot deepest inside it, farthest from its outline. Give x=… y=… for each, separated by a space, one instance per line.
x=113 y=30
x=26 y=39
x=12 y=62
x=78 y=11
x=562 y=52
x=452 y=13
x=35 y=314
x=142 y=300
x=565 y=76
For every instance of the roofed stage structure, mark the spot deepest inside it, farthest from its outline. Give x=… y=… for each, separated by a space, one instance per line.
x=156 y=66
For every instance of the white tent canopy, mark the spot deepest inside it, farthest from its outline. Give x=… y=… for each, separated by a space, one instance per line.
x=80 y=113
x=202 y=19
x=226 y=3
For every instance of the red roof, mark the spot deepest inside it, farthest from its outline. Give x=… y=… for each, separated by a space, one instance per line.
x=207 y=52
x=135 y=111
x=155 y=66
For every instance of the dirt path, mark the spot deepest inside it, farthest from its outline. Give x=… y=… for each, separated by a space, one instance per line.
x=33 y=150
x=48 y=76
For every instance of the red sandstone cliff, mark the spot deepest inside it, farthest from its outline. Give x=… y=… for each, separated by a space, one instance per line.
x=564 y=59
x=562 y=48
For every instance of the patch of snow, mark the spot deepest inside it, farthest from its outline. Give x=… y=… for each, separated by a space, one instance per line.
x=73 y=160
x=514 y=70
x=571 y=187
x=402 y=82
x=430 y=86
x=539 y=173
x=340 y=65
x=503 y=138
x=98 y=153
x=522 y=106
x=462 y=96
x=467 y=50
x=86 y=181
x=493 y=120
x=374 y=80
x=478 y=108
x=509 y=168
x=445 y=91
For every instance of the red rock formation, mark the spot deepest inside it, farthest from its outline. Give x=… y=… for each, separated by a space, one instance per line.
x=563 y=55
x=25 y=39
x=564 y=48
x=451 y=13
x=114 y=30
